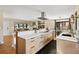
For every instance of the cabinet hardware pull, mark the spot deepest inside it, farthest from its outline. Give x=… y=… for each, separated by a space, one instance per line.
x=32 y=47
x=32 y=40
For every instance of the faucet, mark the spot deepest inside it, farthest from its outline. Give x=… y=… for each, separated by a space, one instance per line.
x=35 y=28
x=47 y=29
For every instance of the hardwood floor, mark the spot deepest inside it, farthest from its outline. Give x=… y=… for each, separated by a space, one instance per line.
x=6 y=47
x=49 y=48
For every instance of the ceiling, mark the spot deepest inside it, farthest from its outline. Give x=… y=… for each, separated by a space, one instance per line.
x=29 y=12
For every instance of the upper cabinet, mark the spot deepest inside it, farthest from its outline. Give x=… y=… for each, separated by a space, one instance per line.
x=41 y=24
x=45 y=24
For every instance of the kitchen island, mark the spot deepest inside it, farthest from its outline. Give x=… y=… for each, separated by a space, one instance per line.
x=67 y=45
x=33 y=42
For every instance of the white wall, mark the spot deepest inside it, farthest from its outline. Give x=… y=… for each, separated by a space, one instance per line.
x=1 y=28
x=8 y=27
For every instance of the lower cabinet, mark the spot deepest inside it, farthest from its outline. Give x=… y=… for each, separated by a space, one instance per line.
x=33 y=45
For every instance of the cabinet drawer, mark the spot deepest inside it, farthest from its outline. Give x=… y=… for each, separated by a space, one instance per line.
x=28 y=42
x=33 y=41
x=31 y=49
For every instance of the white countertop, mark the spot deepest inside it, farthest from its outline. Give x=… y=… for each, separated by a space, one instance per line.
x=30 y=35
x=26 y=35
x=61 y=37
x=67 y=38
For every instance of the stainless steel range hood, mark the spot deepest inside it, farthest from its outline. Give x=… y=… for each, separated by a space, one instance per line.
x=42 y=16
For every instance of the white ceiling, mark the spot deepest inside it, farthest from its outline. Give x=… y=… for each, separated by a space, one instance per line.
x=33 y=11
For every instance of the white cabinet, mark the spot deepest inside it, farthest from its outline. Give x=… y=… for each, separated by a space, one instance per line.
x=33 y=45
